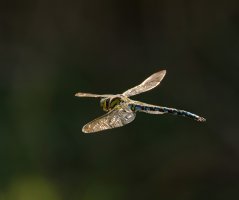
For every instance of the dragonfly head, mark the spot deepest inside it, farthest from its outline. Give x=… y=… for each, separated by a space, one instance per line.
x=104 y=103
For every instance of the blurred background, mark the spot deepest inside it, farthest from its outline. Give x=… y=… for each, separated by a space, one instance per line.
x=49 y=50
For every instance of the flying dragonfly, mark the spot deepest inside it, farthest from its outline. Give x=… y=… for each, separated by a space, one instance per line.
x=122 y=110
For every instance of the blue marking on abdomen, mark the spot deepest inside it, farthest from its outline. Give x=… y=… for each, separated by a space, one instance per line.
x=180 y=112
x=137 y=108
x=172 y=111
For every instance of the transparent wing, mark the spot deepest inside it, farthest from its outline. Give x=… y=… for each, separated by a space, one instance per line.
x=82 y=94
x=150 y=83
x=116 y=118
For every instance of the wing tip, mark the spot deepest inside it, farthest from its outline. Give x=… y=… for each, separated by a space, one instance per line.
x=84 y=130
x=88 y=131
x=163 y=71
x=79 y=94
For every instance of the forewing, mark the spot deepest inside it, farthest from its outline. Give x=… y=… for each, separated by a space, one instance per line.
x=113 y=119
x=150 y=83
x=82 y=94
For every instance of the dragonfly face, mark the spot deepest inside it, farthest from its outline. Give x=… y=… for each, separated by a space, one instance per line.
x=121 y=110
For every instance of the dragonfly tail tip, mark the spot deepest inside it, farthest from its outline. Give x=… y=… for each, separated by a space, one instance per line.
x=201 y=119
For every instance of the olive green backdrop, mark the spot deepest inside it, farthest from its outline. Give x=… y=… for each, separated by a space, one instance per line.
x=50 y=50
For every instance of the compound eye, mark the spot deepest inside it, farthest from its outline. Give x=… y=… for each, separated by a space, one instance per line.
x=104 y=103
x=101 y=103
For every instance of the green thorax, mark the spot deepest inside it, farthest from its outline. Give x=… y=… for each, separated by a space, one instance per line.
x=110 y=103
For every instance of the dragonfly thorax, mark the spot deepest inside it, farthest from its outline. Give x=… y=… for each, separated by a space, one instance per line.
x=111 y=102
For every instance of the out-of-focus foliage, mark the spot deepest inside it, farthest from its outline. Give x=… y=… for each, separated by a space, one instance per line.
x=51 y=49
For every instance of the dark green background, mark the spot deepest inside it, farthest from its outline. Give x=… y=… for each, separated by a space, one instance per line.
x=51 y=49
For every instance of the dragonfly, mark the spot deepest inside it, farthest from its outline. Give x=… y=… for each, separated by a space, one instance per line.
x=121 y=110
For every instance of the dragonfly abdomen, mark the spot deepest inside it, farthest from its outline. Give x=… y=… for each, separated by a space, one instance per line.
x=183 y=113
x=135 y=107
x=161 y=110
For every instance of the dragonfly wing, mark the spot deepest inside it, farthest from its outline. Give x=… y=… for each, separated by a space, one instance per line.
x=116 y=118
x=150 y=83
x=82 y=94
